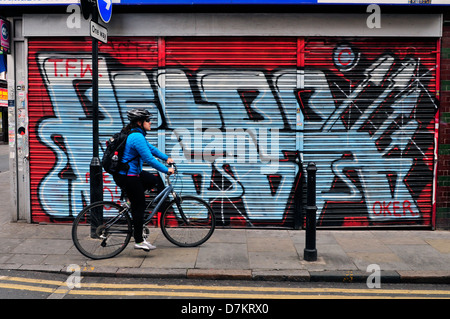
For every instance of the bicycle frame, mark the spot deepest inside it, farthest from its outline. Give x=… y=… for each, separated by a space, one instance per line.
x=159 y=200
x=161 y=197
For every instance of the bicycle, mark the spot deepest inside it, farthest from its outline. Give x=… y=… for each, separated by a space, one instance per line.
x=104 y=229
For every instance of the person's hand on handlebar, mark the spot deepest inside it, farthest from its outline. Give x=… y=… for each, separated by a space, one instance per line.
x=171 y=169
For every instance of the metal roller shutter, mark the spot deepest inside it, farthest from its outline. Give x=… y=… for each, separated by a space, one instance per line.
x=236 y=113
x=369 y=109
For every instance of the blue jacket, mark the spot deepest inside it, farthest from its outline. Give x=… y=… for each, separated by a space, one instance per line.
x=137 y=150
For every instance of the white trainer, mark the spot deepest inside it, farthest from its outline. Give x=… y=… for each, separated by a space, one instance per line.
x=145 y=245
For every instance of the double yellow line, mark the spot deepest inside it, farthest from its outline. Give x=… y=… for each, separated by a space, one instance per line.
x=223 y=292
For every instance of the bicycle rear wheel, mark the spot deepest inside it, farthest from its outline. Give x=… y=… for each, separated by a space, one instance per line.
x=193 y=228
x=102 y=230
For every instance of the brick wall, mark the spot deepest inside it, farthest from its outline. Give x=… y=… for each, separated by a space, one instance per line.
x=443 y=168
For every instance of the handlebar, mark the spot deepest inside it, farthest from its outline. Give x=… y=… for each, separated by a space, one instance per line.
x=173 y=165
x=168 y=174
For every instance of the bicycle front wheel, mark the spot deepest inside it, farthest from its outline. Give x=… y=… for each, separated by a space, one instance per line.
x=102 y=230
x=188 y=222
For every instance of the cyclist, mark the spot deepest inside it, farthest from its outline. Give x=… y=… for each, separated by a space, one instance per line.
x=135 y=180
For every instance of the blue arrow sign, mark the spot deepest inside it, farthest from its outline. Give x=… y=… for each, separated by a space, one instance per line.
x=105 y=9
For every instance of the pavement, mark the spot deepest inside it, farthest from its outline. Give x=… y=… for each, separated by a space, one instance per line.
x=413 y=256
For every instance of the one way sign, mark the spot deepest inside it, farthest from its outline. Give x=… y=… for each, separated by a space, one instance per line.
x=99 y=32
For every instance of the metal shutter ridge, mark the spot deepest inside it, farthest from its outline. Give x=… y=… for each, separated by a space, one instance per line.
x=369 y=109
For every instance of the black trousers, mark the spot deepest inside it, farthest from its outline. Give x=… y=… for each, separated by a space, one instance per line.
x=135 y=187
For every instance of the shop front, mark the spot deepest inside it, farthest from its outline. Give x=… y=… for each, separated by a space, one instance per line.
x=243 y=103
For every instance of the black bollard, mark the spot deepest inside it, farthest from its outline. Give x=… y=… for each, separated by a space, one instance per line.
x=310 y=251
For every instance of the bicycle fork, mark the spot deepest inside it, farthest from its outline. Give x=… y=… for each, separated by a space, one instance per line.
x=178 y=202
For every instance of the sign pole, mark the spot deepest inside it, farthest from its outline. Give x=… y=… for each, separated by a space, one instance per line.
x=96 y=175
x=104 y=9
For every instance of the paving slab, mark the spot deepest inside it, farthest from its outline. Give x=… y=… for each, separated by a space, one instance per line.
x=223 y=256
x=171 y=258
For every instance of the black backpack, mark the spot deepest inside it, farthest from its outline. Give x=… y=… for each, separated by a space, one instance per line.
x=112 y=157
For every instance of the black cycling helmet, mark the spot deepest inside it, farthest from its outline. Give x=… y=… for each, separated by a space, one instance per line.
x=138 y=114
